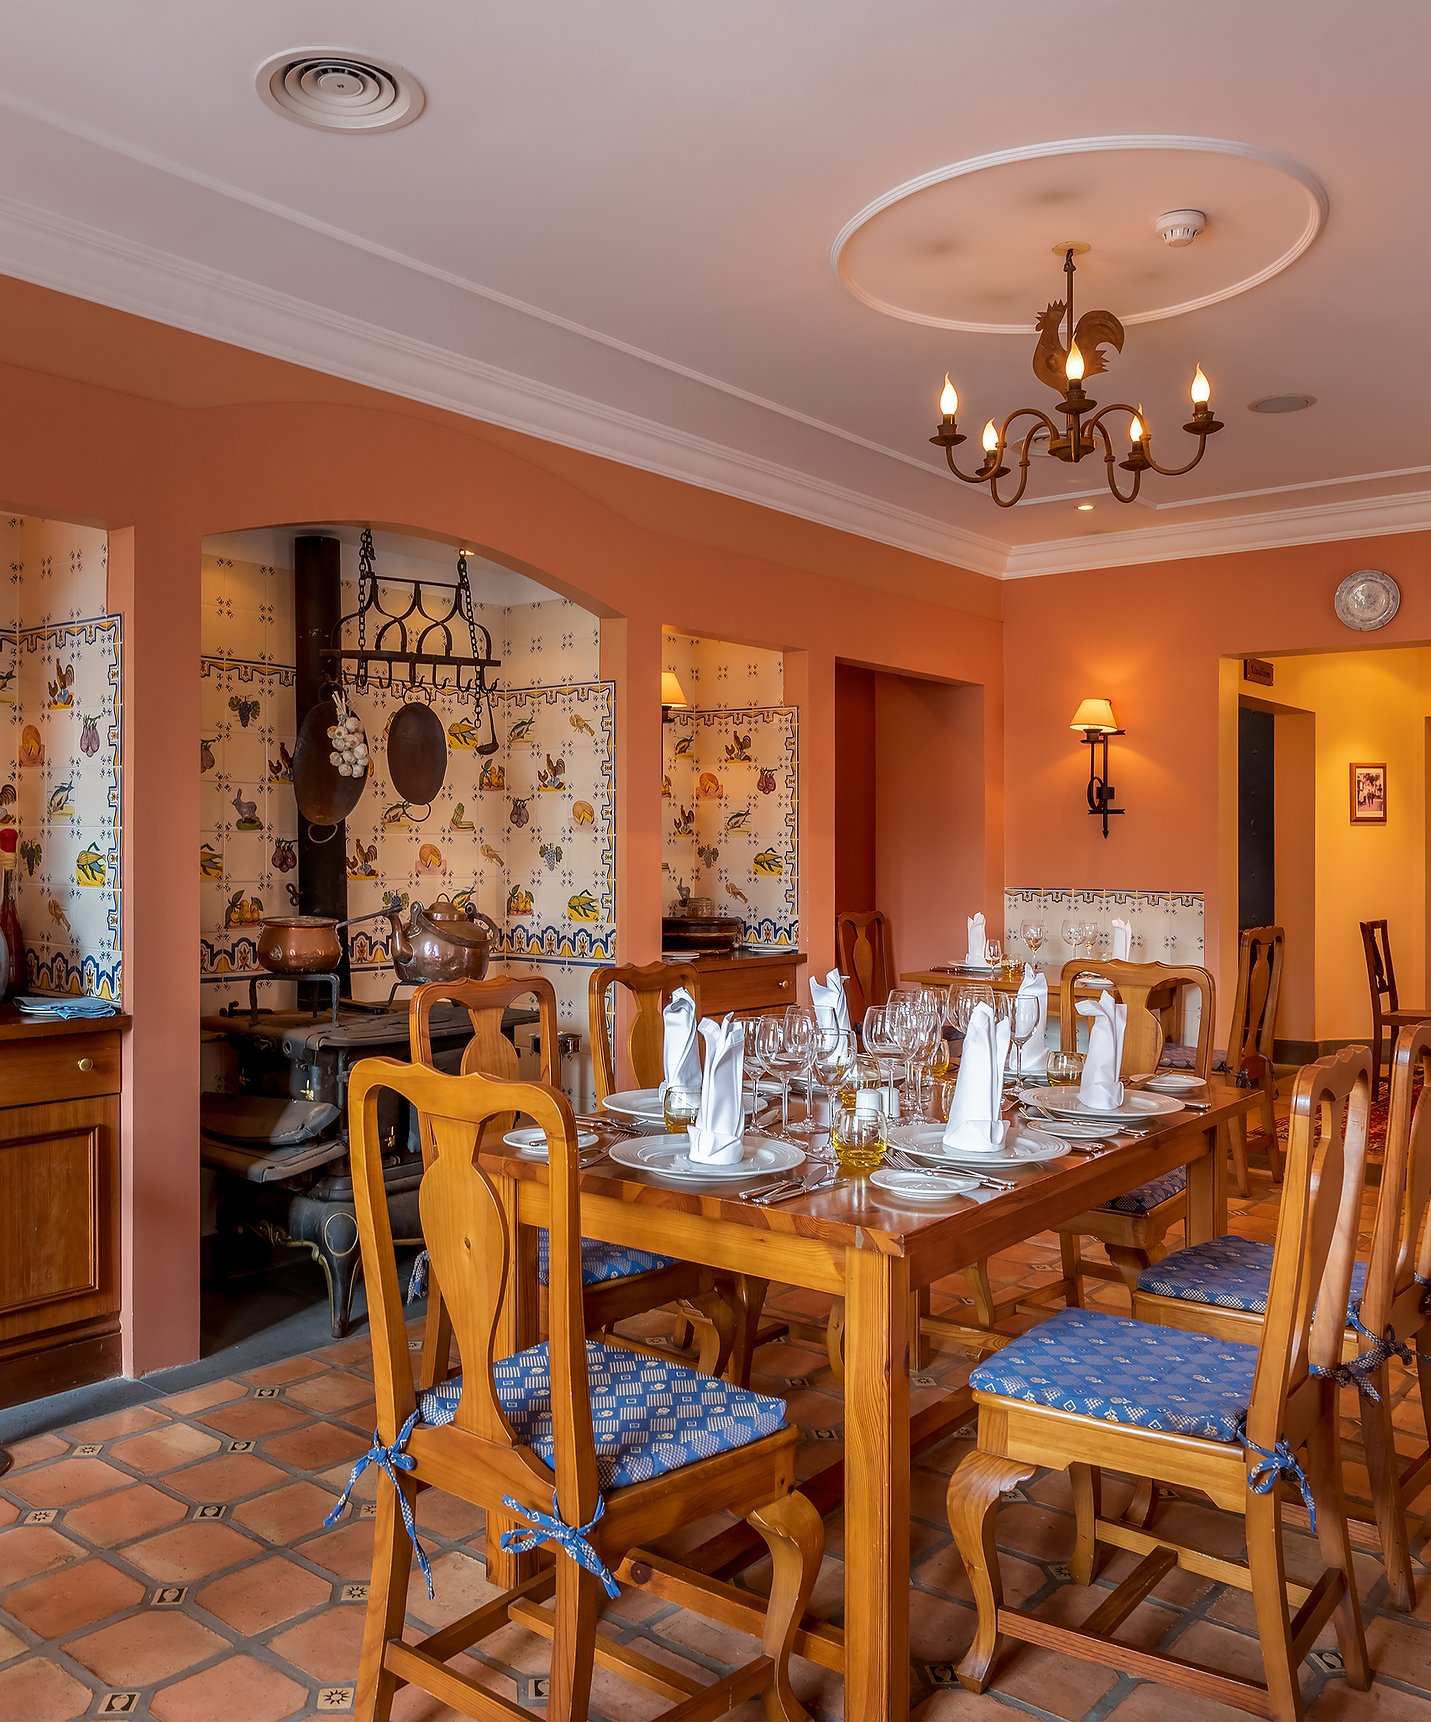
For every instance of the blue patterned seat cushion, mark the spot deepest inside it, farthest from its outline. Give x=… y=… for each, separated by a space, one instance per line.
x=1177 y=1057
x=600 y=1262
x=649 y=1416
x=1122 y=1371
x=1233 y=1273
x=1148 y=1195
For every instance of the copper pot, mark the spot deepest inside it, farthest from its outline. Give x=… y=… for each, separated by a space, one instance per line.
x=300 y=944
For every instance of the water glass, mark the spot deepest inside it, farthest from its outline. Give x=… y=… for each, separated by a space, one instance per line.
x=860 y=1139
x=802 y=1037
x=680 y=1106
x=941 y=1098
x=835 y=1056
x=882 y=1041
x=1065 y=1068
x=1033 y=933
x=993 y=953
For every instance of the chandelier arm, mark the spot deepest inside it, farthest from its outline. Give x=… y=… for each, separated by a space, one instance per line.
x=1177 y=471
x=968 y=478
x=1108 y=461
x=1008 y=502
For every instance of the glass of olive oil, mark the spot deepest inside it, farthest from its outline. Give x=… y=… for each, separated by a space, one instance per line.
x=861 y=1138
x=680 y=1106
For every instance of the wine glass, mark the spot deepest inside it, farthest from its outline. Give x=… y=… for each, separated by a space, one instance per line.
x=1033 y=933
x=834 y=1062
x=881 y=1041
x=802 y=1032
x=1072 y=931
x=1023 y=1020
x=680 y=1106
x=993 y=953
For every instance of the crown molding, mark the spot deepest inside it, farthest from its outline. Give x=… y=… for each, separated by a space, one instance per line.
x=1376 y=517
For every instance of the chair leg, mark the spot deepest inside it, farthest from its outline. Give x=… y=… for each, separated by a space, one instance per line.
x=1070 y=1255
x=976 y=1277
x=579 y=1599
x=1087 y=1481
x=1383 y=1468
x=1144 y=1505
x=795 y=1536
x=921 y=1347
x=1237 y=1136
x=974 y=1492
x=1324 y=1473
x=1269 y=1123
x=387 y=1608
x=750 y=1301
x=1130 y=1262
x=714 y=1322
x=835 y=1340
x=1269 y=1601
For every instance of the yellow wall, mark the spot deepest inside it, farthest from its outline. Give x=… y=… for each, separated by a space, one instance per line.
x=1368 y=705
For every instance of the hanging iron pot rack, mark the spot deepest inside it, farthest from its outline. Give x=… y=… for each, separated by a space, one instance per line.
x=400 y=640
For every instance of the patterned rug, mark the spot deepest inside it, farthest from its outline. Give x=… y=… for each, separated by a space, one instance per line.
x=1376 y=1124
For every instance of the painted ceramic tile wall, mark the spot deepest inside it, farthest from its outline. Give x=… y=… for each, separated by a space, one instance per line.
x=716 y=674
x=60 y=687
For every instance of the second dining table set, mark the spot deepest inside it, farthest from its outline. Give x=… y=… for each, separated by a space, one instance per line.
x=690 y=1193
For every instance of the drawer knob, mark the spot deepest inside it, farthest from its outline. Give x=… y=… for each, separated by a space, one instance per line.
x=782 y=983
x=86 y=1064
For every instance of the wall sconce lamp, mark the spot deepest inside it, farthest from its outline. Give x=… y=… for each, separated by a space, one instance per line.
x=671 y=695
x=1095 y=718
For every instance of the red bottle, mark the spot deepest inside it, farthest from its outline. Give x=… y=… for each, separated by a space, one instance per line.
x=10 y=917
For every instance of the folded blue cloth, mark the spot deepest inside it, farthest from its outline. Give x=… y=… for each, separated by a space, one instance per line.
x=66 y=1005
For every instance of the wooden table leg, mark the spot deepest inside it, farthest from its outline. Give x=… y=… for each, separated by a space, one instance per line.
x=750 y=1301
x=877 y=1304
x=1207 y=1189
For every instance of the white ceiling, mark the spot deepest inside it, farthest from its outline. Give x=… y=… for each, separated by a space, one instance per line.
x=612 y=226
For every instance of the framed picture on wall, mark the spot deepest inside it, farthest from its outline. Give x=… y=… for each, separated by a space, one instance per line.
x=1368 y=793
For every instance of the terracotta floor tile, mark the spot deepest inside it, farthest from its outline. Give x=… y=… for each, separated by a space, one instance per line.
x=164 y=1449
x=34 y=1450
x=365 y=1489
x=77 y=1595
x=41 y=1691
x=334 y=1391
x=225 y=1477
x=146 y=1648
x=1401 y=1649
x=327 y=1646
x=10 y=1645
x=201 y=1398
x=26 y=1550
x=190 y=1552
x=460 y=1583
x=66 y=1481
x=124 y=1422
x=346 y=1551
x=1153 y=1703
x=351 y=1351
x=285 y=1515
x=413 y=1705
x=317 y=1446
x=291 y=1369
x=448 y=1515
x=247 y=1419
x=1338 y=1703
x=115 y=1519
x=237 y=1687
x=264 y=1594
x=1061 y=1685
x=9 y=1512
x=363 y=1416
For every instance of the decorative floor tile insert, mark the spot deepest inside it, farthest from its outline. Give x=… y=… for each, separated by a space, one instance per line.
x=135 y=1600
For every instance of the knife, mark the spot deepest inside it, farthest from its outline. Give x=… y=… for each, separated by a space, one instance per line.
x=787 y=1193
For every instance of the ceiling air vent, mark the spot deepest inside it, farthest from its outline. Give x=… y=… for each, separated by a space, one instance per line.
x=1282 y=404
x=338 y=92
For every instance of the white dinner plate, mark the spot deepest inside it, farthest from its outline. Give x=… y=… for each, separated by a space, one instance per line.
x=1136 y=1108
x=642 y=1107
x=1022 y=1147
x=670 y=1156
x=930 y=1186
x=1170 y=1081
x=532 y=1144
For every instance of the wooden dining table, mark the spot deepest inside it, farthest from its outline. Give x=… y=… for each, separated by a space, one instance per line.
x=854 y=1241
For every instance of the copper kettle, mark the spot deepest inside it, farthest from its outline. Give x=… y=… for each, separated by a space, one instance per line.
x=442 y=943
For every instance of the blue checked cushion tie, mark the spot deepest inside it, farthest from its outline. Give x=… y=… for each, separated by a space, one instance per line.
x=1177 y=1057
x=1149 y=1195
x=599 y=1263
x=648 y=1416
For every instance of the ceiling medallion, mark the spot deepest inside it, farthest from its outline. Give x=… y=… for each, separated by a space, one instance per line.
x=1367 y=599
x=1063 y=370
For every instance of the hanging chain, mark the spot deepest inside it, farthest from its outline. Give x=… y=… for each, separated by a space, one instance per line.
x=367 y=585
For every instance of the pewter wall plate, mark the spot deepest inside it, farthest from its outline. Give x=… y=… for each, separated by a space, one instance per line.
x=1367 y=599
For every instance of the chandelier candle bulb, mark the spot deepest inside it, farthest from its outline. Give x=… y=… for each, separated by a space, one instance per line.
x=1201 y=390
x=1135 y=430
x=949 y=400
x=1073 y=367
x=991 y=437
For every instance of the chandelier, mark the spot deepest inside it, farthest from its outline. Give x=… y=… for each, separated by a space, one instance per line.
x=1083 y=432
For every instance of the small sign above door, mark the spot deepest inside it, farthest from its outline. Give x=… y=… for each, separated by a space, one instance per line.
x=1257 y=670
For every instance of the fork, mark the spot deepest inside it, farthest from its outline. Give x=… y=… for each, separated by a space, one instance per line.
x=903 y=1162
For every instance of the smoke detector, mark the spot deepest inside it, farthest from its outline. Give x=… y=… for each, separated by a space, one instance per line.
x=339 y=92
x=1282 y=404
x=1180 y=227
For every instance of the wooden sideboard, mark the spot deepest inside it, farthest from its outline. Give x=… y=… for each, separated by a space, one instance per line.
x=750 y=983
x=59 y=1204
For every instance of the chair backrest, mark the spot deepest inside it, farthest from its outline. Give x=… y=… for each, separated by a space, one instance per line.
x=470 y=1243
x=489 y=1051
x=1405 y=1183
x=862 y=951
x=1317 y=1230
x=1254 y=1008
x=651 y=988
x=1135 y=983
x=1379 y=972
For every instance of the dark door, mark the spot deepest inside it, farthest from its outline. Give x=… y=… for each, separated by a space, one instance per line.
x=1256 y=819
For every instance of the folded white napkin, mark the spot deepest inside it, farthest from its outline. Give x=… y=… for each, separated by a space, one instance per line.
x=717 y=1134
x=680 y=1057
x=831 y=1007
x=1101 y=1087
x=1035 y=1048
x=1122 y=941
x=974 y=1125
x=978 y=952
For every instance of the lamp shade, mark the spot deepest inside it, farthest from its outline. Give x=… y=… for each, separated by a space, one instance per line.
x=671 y=694
x=1095 y=714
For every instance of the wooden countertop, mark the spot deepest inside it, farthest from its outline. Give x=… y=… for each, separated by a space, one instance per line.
x=733 y=959
x=14 y=1026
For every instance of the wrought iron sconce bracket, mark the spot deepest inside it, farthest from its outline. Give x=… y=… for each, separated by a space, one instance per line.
x=1100 y=791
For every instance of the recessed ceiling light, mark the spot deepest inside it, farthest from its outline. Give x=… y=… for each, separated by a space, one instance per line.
x=1085 y=508
x=340 y=92
x=1282 y=403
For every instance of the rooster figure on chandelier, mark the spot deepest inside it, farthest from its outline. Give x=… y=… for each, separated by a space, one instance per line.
x=1083 y=431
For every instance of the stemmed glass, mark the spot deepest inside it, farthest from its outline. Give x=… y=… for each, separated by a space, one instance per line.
x=1033 y=932
x=909 y=1018
x=802 y=1037
x=834 y=1059
x=993 y=953
x=882 y=1043
x=779 y=1060
x=1023 y=1020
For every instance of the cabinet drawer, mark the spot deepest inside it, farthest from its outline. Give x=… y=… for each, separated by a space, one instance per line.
x=765 y=987
x=64 y=1067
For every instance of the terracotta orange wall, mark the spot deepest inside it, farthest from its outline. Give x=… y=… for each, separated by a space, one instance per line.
x=1158 y=639
x=160 y=477
x=854 y=788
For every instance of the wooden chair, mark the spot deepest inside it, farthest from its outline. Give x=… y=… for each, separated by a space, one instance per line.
x=1260 y=955
x=617 y=1282
x=862 y=952
x=651 y=988
x=1381 y=976
x=1086 y=1390
x=514 y=1435
x=1221 y=1288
